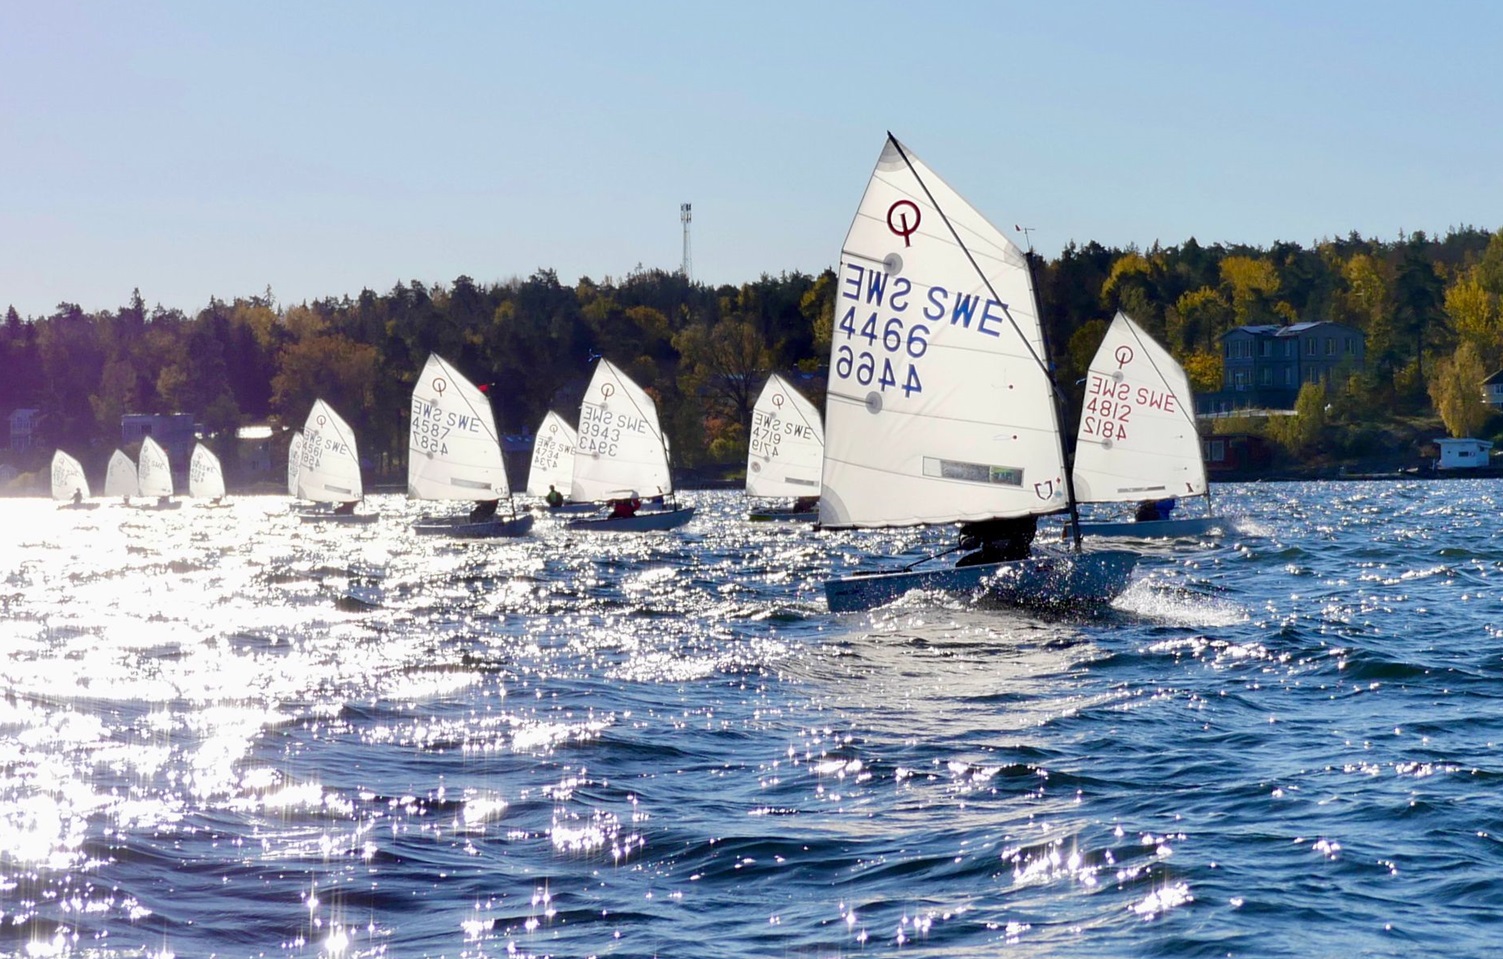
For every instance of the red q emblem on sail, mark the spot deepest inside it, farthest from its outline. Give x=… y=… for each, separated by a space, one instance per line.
x=321 y=420
x=1123 y=355
x=897 y=219
x=440 y=384
x=777 y=399
x=607 y=390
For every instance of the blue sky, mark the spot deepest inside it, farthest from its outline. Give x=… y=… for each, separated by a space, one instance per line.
x=198 y=149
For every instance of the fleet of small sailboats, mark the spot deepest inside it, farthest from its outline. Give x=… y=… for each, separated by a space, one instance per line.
x=454 y=454
x=940 y=410
x=621 y=458
x=940 y=407
x=1137 y=441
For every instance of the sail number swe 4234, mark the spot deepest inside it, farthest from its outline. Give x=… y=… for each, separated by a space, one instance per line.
x=890 y=341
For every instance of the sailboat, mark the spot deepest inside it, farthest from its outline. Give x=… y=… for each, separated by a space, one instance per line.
x=328 y=469
x=454 y=453
x=1137 y=440
x=69 y=485
x=120 y=477
x=154 y=476
x=621 y=456
x=940 y=407
x=553 y=463
x=205 y=476
x=294 y=453
x=785 y=452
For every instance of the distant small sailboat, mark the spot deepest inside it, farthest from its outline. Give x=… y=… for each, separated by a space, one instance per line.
x=454 y=454
x=294 y=454
x=120 y=477
x=154 y=477
x=785 y=453
x=69 y=485
x=1137 y=441
x=941 y=407
x=328 y=468
x=552 y=469
x=205 y=476
x=621 y=457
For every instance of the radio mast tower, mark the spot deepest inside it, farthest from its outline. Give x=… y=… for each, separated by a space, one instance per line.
x=685 y=214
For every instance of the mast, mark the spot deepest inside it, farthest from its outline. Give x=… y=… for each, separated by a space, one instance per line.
x=1066 y=451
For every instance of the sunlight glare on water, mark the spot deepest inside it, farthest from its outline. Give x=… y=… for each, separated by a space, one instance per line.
x=230 y=732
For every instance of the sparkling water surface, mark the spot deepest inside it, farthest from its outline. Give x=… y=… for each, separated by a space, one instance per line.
x=225 y=732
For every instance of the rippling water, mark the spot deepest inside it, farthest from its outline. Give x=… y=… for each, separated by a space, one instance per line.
x=224 y=732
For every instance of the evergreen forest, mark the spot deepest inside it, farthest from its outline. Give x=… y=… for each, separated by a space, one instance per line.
x=1428 y=306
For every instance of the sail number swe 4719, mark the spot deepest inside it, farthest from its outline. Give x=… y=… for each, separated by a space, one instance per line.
x=892 y=340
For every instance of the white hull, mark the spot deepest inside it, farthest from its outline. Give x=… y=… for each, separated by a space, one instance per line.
x=640 y=523
x=1157 y=529
x=84 y=505
x=1044 y=579
x=568 y=509
x=170 y=504
x=462 y=528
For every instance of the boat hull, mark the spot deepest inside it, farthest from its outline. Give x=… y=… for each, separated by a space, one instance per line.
x=346 y=518
x=462 y=528
x=640 y=523
x=568 y=509
x=782 y=516
x=1044 y=579
x=1157 y=528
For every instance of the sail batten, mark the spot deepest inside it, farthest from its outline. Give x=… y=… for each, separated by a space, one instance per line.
x=939 y=408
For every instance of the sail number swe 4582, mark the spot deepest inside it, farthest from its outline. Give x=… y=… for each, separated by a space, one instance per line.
x=891 y=341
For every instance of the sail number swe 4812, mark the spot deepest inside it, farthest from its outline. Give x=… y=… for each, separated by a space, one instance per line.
x=891 y=349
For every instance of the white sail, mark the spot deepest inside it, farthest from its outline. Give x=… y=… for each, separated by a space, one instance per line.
x=153 y=473
x=620 y=447
x=786 y=449
x=453 y=450
x=120 y=476
x=205 y=476
x=1137 y=437
x=552 y=456
x=328 y=463
x=939 y=407
x=68 y=477
x=294 y=455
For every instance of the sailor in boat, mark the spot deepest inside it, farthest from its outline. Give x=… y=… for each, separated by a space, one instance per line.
x=1151 y=510
x=215 y=500
x=554 y=498
x=484 y=509
x=77 y=496
x=624 y=508
x=345 y=509
x=163 y=501
x=806 y=504
x=997 y=540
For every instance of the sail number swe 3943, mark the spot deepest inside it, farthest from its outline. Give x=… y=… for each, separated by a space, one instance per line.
x=886 y=341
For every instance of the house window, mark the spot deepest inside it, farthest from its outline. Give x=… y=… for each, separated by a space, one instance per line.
x=1330 y=347
x=1239 y=380
x=1349 y=346
x=1310 y=346
x=1265 y=376
x=1265 y=348
x=1289 y=376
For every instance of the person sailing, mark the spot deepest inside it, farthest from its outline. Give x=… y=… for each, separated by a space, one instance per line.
x=554 y=498
x=484 y=509
x=1154 y=509
x=997 y=540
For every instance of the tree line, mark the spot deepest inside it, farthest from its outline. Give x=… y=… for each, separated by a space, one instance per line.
x=1428 y=307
